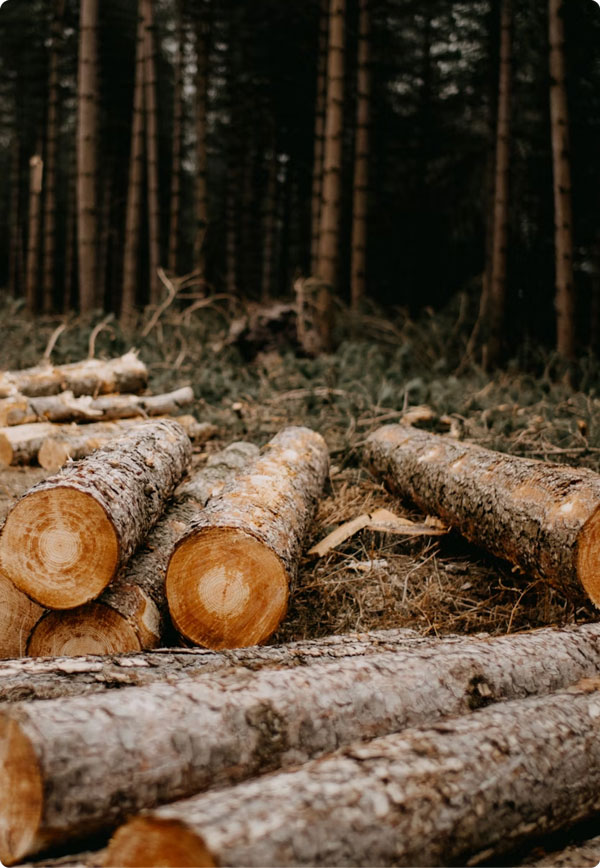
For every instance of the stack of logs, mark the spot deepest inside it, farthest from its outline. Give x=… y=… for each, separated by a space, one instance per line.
x=382 y=748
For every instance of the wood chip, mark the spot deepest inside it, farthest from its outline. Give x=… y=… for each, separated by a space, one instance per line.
x=381 y=520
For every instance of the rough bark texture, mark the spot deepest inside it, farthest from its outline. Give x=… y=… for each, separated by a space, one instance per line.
x=229 y=575
x=361 y=160
x=131 y=613
x=18 y=617
x=90 y=377
x=581 y=855
x=36 y=171
x=152 y=150
x=99 y=758
x=542 y=517
x=469 y=789
x=563 y=217
x=66 y=538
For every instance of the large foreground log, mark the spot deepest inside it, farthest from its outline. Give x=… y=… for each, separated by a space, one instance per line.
x=81 y=764
x=545 y=518
x=18 y=617
x=131 y=613
x=469 y=789
x=65 y=407
x=66 y=538
x=89 y=377
x=228 y=578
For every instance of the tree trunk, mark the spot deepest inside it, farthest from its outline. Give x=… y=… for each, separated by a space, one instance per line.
x=361 y=161
x=177 y=143
x=221 y=728
x=15 y=261
x=542 y=517
x=64 y=407
x=70 y=236
x=87 y=163
x=152 y=150
x=270 y=219
x=563 y=218
x=201 y=203
x=497 y=290
x=89 y=377
x=18 y=617
x=462 y=792
x=317 y=175
x=131 y=614
x=228 y=577
x=36 y=171
x=66 y=538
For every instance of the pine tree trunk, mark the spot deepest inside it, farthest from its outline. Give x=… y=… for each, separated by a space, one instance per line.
x=131 y=613
x=544 y=518
x=152 y=150
x=563 y=218
x=70 y=237
x=464 y=792
x=67 y=537
x=36 y=171
x=361 y=161
x=201 y=197
x=87 y=160
x=270 y=220
x=229 y=575
x=15 y=262
x=220 y=728
x=177 y=143
x=317 y=175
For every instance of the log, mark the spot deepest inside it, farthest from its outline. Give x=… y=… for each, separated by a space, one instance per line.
x=18 y=617
x=542 y=517
x=462 y=792
x=82 y=764
x=88 y=377
x=228 y=577
x=131 y=614
x=65 y=539
x=65 y=407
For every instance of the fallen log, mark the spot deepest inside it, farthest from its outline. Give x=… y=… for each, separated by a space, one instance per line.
x=461 y=792
x=131 y=614
x=88 y=377
x=65 y=407
x=84 y=763
x=18 y=617
x=66 y=538
x=545 y=518
x=229 y=575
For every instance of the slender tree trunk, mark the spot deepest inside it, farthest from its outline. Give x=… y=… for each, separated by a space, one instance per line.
x=52 y=127
x=36 y=171
x=70 y=236
x=563 y=219
x=177 y=143
x=361 y=161
x=152 y=150
x=134 y=187
x=87 y=161
x=201 y=197
x=317 y=176
x=15 y=271
x=270 y=219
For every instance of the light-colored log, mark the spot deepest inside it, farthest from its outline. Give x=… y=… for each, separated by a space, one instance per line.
x=229 y=575
x=65 y=407
x=66 y=538
x=84 y=763
x=543 y=517
x=88 y=377
x=463 y=792
x=18 y=617
x=131 y=613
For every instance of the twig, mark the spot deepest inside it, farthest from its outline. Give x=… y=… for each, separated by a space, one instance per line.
x=172 y=291
x=52 y=342
x=96 y=331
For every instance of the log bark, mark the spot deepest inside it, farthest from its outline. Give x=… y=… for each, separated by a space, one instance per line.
x=18 y=617
x=65 y=407
x=131 y=613
x=81 y=764
x=228 y=577
x=66 y=538
x=88 y=377
x=545 y=518
x=462 y=792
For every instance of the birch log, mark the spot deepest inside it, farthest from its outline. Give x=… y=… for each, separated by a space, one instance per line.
x=131 y=613
x=543 y=517
x=65 y=407
x=66 y=538
x=89 y=377
x=462 y=792
x=229 y=575
x=81 y=764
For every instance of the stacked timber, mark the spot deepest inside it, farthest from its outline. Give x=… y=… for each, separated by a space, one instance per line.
x=89 y=377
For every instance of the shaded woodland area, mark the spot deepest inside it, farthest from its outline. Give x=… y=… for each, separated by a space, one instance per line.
x=396 y=152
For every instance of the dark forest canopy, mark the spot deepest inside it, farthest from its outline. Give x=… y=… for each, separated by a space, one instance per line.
x=226 y=168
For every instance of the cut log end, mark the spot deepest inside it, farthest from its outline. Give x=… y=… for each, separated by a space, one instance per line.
x=59 y=547
x=53 y=454
x=150 y=841
x=21 y=793
x=588 y=557
x=6 y=451
x=226 y=589
x=18 y=617
x=92 y=629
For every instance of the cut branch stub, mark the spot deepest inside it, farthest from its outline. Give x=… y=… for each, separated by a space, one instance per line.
x=229 y=575
x=64 y=540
